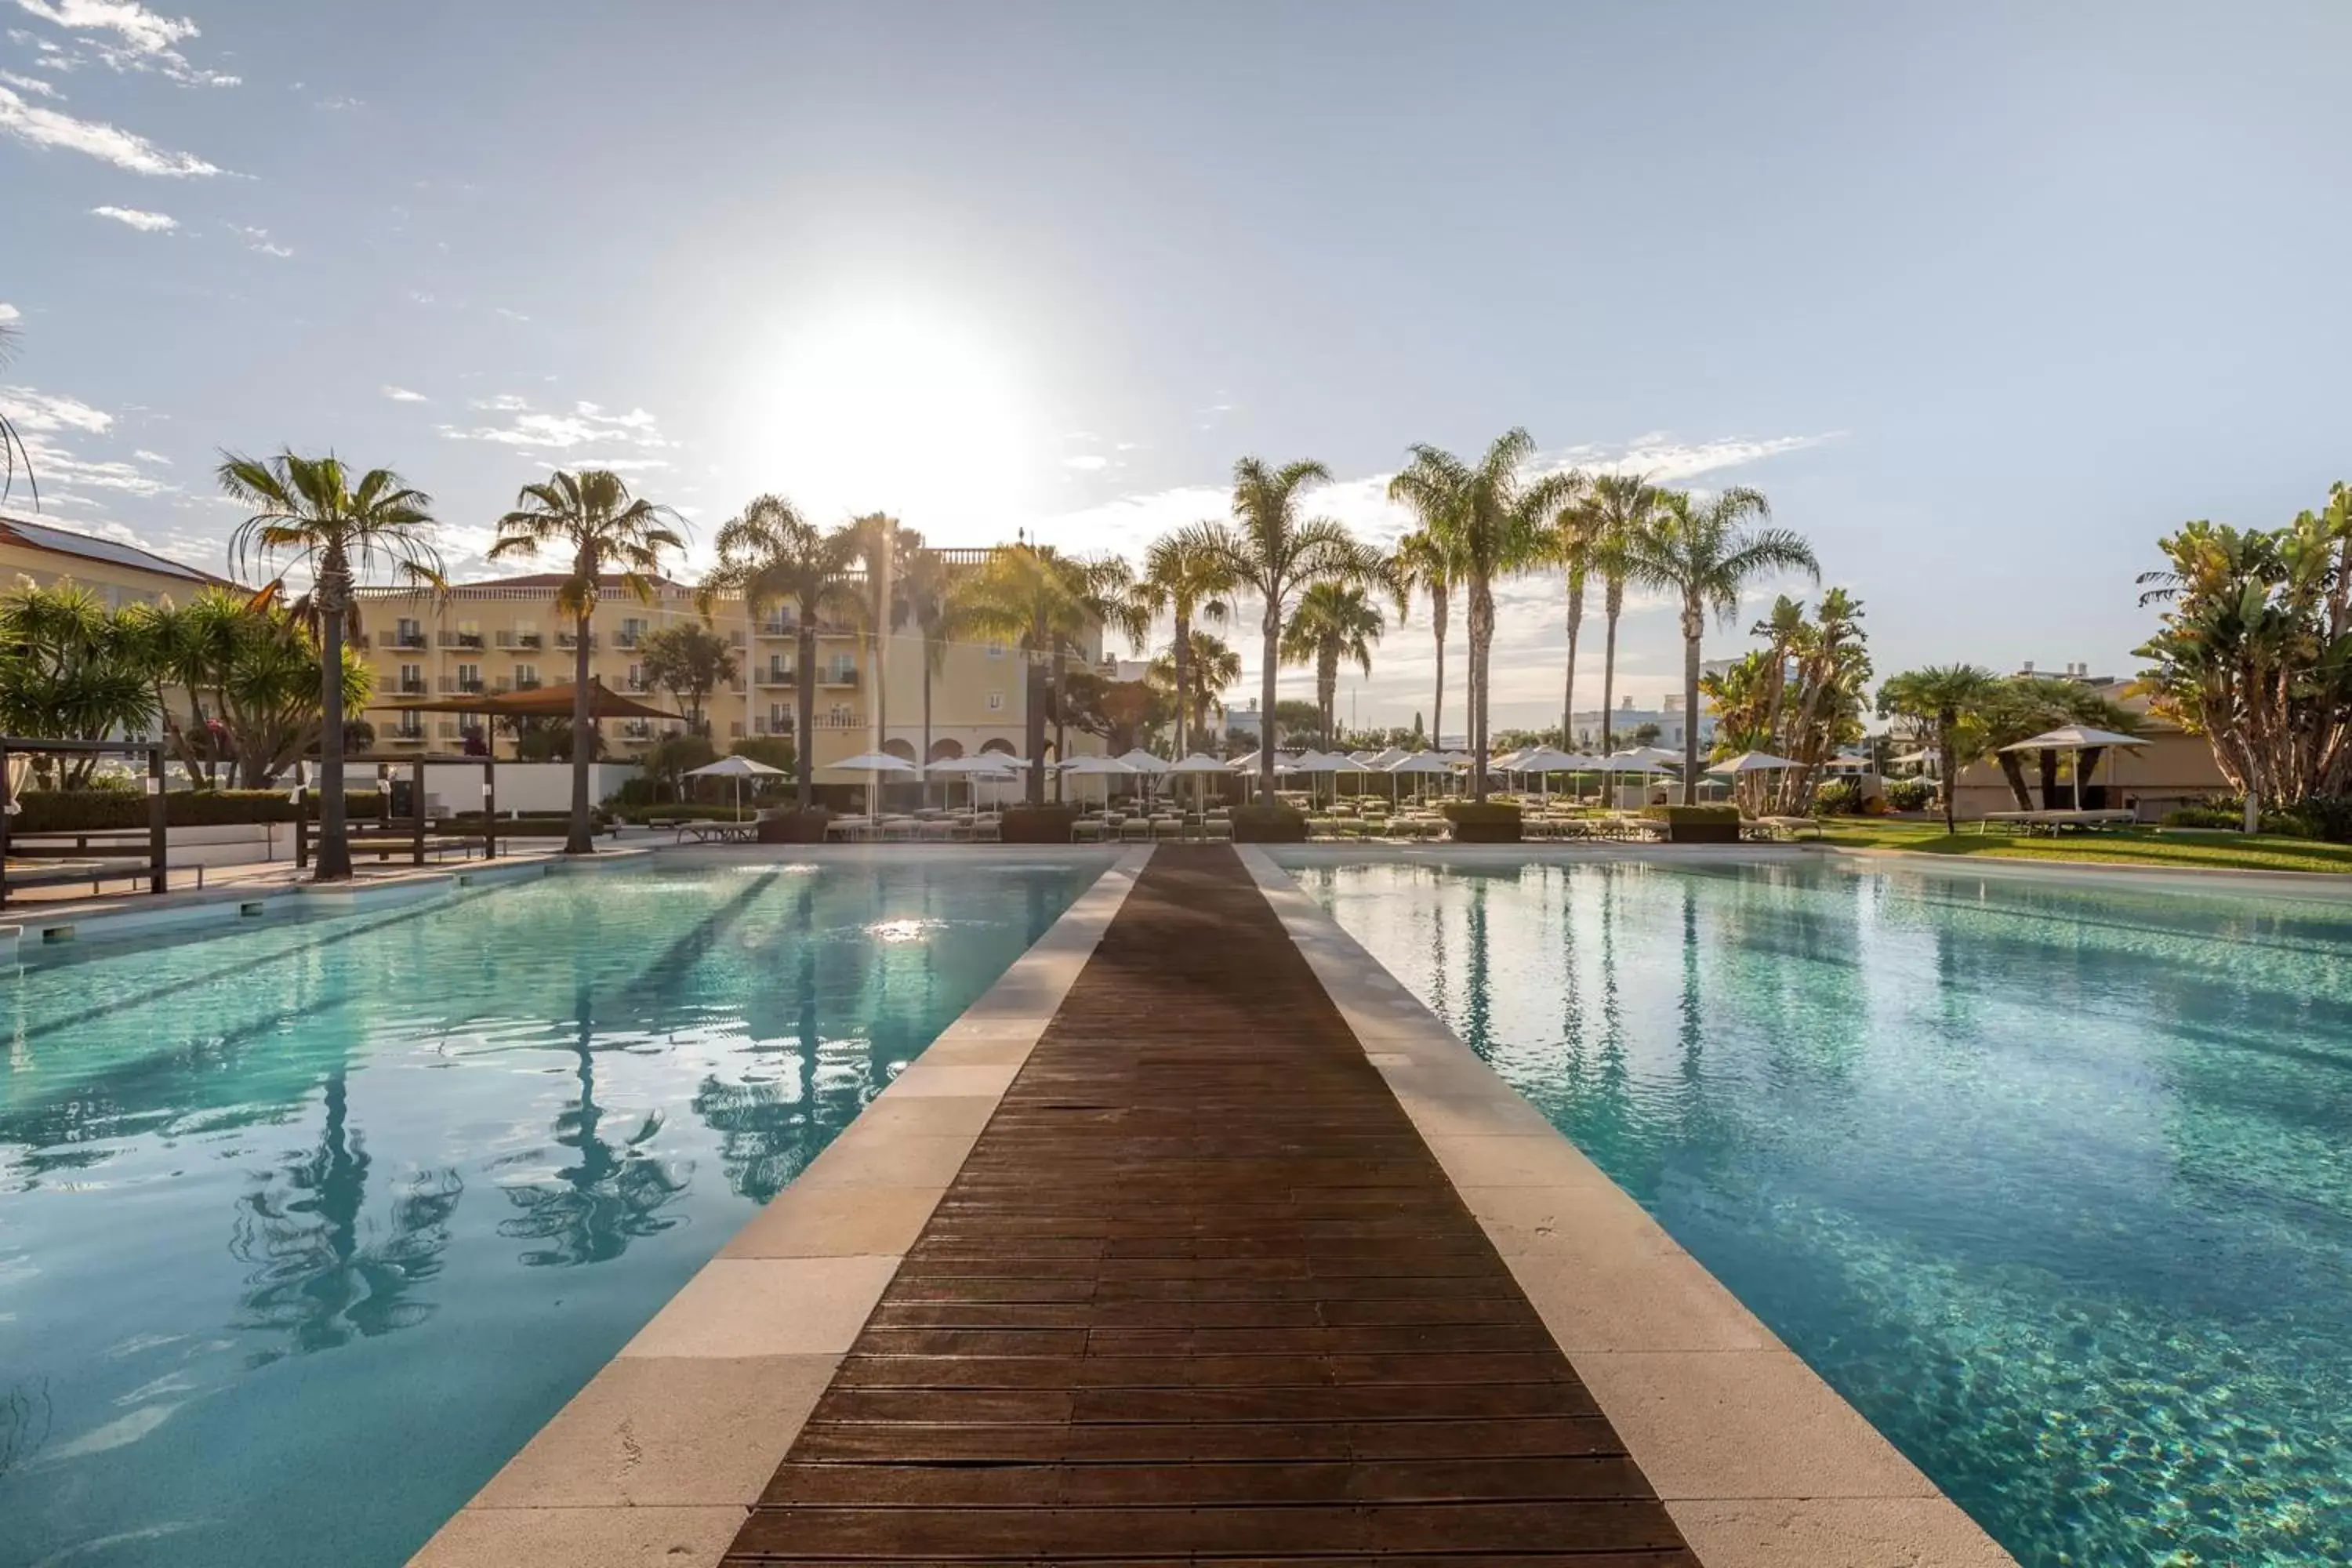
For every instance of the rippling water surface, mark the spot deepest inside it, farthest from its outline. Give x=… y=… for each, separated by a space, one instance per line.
x=2054 y=1183
x=304 y=1229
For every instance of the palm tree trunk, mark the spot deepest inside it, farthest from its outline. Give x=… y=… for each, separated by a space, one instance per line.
x=1568 y=690
x=926 y=713
x=1616 y=607
x=1183 y=655
x=805 y=700
x=1437 y=609
x=1694 y=627
x=334 y=861
x=584 y=745
x=1272 y=626
x=1945 y=723
x=1482 y=635
x=1327 y=689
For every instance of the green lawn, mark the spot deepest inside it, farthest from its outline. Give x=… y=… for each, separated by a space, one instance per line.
x=2186 y=848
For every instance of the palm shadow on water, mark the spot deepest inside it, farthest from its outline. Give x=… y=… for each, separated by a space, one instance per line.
x=614 y=1192
x=322 y=1276
x=765 y=1136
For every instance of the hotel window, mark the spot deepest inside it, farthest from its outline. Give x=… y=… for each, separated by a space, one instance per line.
x=411 y=633
x=469 y=678
x=996 y=702
x=843 y=670
x=636 y=672
x=412 y=678
x=840 y=717
x=995 y=649
x=526 y=677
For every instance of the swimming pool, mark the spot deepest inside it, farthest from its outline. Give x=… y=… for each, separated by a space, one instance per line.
x=305 y=1229
x=2052 y=1183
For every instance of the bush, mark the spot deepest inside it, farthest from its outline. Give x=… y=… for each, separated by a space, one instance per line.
x=1910 y=794
x=2321 y=816
x=1838 y=798
x=1269 y=824
x=1680 y=815
x=635 y=792
x=110 y=810
x=773 y=750
x=1483 y=822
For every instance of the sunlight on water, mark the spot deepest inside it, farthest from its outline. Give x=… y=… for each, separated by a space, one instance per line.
x=2054 y=1183
x=305 y=1229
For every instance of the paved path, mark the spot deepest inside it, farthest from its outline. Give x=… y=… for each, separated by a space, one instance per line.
x=1201 y=1291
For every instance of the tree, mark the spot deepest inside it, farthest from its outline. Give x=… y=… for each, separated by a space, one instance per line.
x=1571 y=541
x=1704 y=553
x=1296 y=723
x=880 y=608
x=1420 y=563
x=2025 y=706
x=1213 y=668
x=69 y=668
x=1271 y=551
x=1616 y=506
x=1490 y=520
x=1185 y=577
x=1123 y=712
x=307 y=512
x=1939 y=701
x=1832 y=668
x=616 y=541
x=2253 y=649
x=1334 y=621
x=1047 y=605
x=775 y=560
x=689 y=662
x=923 y=600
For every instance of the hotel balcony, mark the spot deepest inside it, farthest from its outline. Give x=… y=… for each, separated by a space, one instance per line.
x=570 y=641
x=838 y=676
x=522 y=639
x=461 y=683
x=461 y=640
x=411 y=640
x=417 y=687
x=775 y=676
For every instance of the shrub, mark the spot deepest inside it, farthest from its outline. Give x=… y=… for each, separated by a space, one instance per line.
x=635 y=792
x=97 y=811
x=1269 y=824
x=1910 y=794
x=1838 y=798
x=1676 y=815
x=1483 y=822
x=773 y=750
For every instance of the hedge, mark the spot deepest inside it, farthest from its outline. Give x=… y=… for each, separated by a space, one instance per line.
x=1676 y=815
x=673 y=811
x=1482 y=821
x=1037 y=824
x=1269 y=824
x=98 y=811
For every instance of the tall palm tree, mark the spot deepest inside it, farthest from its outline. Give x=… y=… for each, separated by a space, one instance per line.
x=1272 y=552
x=1704 y=552
x=921 y=598
x=1420 y=563
x=1334 y=621
x=306 y=512
x=877 y=547
x=1047 y=605
x=774 y=559
x=1186 y=577
x=617 y=541
x=1942 y=700
x=1213 y=667
x=1837 y=628
x=1616 y=508
x=1491 y=518
x=1572 y=543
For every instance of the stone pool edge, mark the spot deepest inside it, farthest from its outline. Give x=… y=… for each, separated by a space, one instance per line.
x=1758 y=1461
x=660 y=1456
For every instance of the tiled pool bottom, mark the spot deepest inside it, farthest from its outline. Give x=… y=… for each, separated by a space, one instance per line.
x=2050 y=1183
x=304 y=1230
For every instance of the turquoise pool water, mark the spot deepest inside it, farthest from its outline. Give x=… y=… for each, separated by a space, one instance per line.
x=2054 y=1184
x=305 y=1229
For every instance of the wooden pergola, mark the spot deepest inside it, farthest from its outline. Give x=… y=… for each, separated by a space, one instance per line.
x=77 y=846
x=412 y=831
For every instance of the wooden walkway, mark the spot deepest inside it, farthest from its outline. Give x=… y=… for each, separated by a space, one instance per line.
x=1202 y=1292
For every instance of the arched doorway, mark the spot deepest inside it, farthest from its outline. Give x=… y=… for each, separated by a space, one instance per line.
x=946 y=751
x=902 y=749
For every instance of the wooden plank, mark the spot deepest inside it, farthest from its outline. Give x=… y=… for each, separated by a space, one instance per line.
x=1201 y=1292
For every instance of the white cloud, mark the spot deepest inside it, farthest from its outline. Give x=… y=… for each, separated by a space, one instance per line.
x=257 y=239
x=9 y=312
x=141 y=28
x=144 y=456
x=509 y=315
x=39 y=127
x=401 y=394
x=1087 y=464
x=42 y=413
x=145 y=222
x=32 y=84
x=45 y=420
x=339 y=102
x=544 y=432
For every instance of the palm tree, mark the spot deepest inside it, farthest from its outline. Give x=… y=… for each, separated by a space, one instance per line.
x=1421 y=561
x=616 y=540
x=1047 y=605
x=774 y=559
x=1941 y=698
x=920 y=597
x=1269 y=550
x=877 y=547
x=1616 y=508
x=1572 y=543
x=1492 y=520
x=1836 y=629
x=1704 y=553
x=1186 y=577
x=13 y=450
x=1333 y=621
x=1213 y=667
x=307 y=512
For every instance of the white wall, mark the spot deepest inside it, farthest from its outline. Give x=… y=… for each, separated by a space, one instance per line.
x=530 y=787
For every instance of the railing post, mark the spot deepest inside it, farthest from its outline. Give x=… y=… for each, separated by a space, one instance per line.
x=159 y=853
x=301 y=816
x=416 y=805
x=7 y=799
x=490 y=808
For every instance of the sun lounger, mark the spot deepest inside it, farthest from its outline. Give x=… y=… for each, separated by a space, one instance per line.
x=708 y=830
x=1784 y=827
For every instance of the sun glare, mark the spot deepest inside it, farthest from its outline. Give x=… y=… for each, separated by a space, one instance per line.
x=897 y=409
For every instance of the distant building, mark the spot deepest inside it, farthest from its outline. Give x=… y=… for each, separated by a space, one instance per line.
x=1668 y=716
x=117 y=574
x=2172 y=770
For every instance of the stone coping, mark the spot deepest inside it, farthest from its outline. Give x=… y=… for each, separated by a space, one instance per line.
x=2206 y=882
x=658 y=1459
x=1760 y=1463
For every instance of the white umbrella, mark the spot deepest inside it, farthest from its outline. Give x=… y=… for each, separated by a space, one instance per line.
x=1753 y=762
x=874 y=763
x=1630 y=763
x=1197 y=762
x=1851 y=763
x=1913 y=759
x=1549 y=760
x=1421 y=762
x=736 y=768
x=1143 y=762
x=993 y=766
x=1385 y=759
x=2076 y=739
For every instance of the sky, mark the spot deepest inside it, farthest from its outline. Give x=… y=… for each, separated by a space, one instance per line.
x=1984 y=298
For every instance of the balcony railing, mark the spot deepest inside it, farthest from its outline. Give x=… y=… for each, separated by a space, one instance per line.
x=417 y=688
x=571 y=640
x=520 y=639
x=401 y=735
x=626 y=638
x=838 y=676
x=774 y=676
x=461 y=640
x=526 y=683
x=409 y=639
x=467 y=683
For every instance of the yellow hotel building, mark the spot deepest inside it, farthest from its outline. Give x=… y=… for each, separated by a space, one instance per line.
x=506 y=634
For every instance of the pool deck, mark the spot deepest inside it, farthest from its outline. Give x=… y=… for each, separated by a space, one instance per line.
x=1198 y=1237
